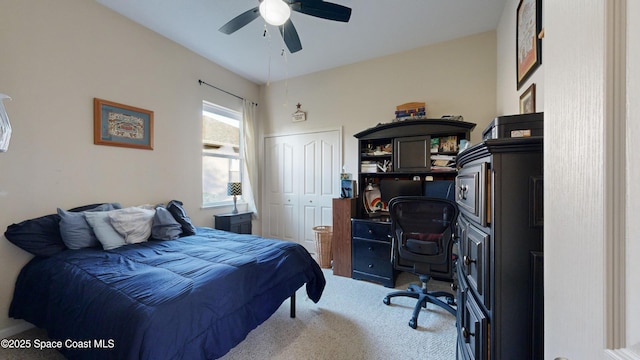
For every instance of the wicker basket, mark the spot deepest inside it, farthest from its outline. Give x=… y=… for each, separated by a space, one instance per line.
x=323 y=245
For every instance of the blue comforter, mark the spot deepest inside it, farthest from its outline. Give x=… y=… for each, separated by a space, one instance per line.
x=191 y=298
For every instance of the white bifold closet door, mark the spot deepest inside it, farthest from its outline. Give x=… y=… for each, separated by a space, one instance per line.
x=301 y=179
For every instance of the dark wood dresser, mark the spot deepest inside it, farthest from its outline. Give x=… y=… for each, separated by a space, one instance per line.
x=500 y=229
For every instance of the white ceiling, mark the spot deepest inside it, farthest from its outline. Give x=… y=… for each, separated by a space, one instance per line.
x=376 y=28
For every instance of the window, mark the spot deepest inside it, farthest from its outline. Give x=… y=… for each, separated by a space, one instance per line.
x=221 y=155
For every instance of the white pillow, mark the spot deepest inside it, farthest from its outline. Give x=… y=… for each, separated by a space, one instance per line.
x=134 y=223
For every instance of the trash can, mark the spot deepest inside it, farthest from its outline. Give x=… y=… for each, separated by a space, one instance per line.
x=323 y=245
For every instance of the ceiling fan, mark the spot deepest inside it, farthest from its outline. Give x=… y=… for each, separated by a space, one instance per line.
x=277 y=12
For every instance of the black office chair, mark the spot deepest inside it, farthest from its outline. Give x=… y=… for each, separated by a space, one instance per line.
x=423 y=231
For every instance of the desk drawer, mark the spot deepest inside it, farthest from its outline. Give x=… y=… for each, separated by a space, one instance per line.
x=372 y=261
x=372 y=230
x=372 y=256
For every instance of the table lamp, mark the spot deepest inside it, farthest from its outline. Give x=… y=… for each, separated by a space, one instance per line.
x=235 y=189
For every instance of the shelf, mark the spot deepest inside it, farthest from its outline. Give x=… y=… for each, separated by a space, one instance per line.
x=405 y=174
x=407 y=145
x=449 y=153
x=385 y=156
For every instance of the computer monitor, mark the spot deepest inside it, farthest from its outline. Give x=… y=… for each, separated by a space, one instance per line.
x=390 y=188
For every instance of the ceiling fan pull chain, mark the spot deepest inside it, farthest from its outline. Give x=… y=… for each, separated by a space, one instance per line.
x=267 y=34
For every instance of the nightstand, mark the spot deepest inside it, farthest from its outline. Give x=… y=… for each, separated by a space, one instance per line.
x=238 y=223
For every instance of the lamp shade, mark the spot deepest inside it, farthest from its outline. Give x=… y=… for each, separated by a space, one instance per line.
x=274 y=12
x=234 y=188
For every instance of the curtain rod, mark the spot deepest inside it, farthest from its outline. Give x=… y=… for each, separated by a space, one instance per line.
x=224 y=91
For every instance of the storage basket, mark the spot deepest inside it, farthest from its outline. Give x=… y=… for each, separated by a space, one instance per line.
x=323 y=245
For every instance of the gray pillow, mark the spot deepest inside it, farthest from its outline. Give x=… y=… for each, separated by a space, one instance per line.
x=74 y=229
x=133 y=223
x=106 y=234
x=165 y=227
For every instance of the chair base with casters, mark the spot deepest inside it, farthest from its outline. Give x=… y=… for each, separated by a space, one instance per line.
x=423 y=296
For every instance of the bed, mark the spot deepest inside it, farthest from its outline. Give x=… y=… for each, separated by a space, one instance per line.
x=194 y=297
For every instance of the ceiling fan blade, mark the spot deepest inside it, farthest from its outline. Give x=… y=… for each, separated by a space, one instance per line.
x=239 y=21
x=321 y=9
x=290 y=36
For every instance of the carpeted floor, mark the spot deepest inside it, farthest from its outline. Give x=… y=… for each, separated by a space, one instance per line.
x=349 y=322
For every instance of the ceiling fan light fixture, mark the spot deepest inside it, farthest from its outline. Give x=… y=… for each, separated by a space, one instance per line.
x=275 y=12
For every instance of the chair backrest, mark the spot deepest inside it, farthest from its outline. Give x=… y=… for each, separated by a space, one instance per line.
x=423 y=230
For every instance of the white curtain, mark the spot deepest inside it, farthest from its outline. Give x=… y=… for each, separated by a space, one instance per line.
x=5 y=126
x=250 y=155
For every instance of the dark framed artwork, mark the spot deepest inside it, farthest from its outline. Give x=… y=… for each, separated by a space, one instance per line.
x=528 y=100
x=528 y=43
x=122 y=125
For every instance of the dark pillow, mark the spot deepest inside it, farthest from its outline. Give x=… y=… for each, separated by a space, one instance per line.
x=114 y=206
x=41 y=236
x=176 y=209
x=164 y=226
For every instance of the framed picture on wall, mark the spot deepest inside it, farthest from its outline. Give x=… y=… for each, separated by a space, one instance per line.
x=122 y=125
x=528 y=100
x=528 y=43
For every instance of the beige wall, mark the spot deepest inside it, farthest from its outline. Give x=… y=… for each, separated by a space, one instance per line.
x=508 y=96
x=455 y=77
x=56 y=57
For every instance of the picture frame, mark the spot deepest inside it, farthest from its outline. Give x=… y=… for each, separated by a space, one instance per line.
x=122 y=125
x=528 y=41
x=528 y=100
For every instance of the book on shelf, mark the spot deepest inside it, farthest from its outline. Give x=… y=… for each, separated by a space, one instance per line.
x=368 y=167
x=435 y=144
x=443 y=162
x=415 y=110
x=411 y=105
x=411 y=111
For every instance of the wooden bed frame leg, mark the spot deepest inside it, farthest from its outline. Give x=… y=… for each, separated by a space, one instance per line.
x=293 y=305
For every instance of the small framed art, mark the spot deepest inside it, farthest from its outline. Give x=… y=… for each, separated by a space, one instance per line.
x=528 y=100
x=122 y=125
x=528 y=41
